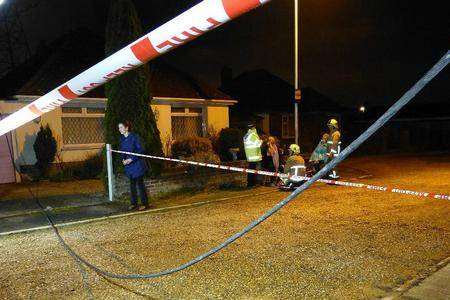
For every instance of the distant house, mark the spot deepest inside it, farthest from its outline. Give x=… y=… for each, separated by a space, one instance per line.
x=182 y=106
x=416 y=128
x=269 y=101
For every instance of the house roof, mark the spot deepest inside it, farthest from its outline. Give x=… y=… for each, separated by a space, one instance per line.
x=262 y=91
x=80 y=49
x=167 y=81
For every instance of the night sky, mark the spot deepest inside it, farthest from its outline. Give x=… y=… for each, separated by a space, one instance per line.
x=352 y=51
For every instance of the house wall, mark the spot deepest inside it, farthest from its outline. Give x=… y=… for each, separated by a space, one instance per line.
x=311 y=125
x=265 y=122
x=164 y=123
x=218 y=117
x=25 y=136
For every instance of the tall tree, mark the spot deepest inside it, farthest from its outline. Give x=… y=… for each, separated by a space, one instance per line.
x=128 y=95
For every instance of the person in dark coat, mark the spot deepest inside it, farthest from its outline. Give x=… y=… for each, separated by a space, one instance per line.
x=135 y=167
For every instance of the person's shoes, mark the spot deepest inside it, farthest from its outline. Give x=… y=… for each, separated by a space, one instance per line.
x=132 y=207
x=141 y=208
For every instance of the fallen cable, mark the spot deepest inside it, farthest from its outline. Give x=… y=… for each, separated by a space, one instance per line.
x=344 y=154
x=81 y=269
x=298 y=178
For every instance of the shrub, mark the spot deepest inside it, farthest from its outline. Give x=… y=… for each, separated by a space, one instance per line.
x=195 y=149
x=44 y=149
x=90 y=168
x=190 y=146
x=230 y=138
x=66 y=174
x=206 y=157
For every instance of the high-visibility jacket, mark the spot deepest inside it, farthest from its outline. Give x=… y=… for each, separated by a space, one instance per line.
x=334 y=144
x=252 y=146
x=295 y=162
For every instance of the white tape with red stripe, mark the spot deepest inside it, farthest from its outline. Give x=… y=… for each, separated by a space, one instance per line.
x=282 y=175
x=194 y=22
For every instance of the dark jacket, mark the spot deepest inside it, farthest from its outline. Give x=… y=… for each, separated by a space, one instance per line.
x=131 y=143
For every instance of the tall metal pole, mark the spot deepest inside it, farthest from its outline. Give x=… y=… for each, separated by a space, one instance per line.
x=296 y=73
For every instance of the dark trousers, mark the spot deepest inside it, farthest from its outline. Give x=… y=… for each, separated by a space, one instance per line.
x=253 y=179
x=139 y=183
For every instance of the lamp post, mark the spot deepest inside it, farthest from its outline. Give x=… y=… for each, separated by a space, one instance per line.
x=296 y=84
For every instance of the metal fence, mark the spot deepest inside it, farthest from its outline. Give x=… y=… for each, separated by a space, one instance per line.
x=186 y=126
x=82 y=130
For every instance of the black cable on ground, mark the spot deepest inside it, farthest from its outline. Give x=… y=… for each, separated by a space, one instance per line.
x=81 y=268
x=405 y=99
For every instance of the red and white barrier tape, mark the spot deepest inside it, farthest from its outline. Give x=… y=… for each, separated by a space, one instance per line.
x=282 y=175
x=201 y=18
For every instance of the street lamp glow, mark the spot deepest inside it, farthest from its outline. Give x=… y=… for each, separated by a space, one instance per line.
x=1 y=2
x=362 y=109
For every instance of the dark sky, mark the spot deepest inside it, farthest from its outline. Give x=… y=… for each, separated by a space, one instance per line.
x=351 y=50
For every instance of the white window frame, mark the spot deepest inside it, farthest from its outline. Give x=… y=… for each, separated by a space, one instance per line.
x=186 y=112
x=83 y=114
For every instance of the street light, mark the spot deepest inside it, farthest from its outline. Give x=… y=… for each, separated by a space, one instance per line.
x=362 y=109
x=1 y=2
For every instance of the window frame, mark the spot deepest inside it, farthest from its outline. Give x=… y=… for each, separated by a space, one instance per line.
x=188 y=113
x=84 y=114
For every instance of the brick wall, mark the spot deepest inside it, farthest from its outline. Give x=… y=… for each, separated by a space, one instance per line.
x=192 y=179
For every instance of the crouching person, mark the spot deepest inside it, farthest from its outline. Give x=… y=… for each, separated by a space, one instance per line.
x=294 y=168
x=135 y=167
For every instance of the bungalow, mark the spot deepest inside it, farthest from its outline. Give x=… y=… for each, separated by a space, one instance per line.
x=182 y=106
x=268 y=101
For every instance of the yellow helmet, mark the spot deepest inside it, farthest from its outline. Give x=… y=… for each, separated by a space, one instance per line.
x=333 y=122
x=294 y=148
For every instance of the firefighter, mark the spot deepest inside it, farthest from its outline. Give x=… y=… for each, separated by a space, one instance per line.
x=295 y=165
x=333 y=145
x=294 y=160
x=252 y=146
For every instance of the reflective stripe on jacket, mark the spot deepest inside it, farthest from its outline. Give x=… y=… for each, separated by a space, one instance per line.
x=252 y=146
x=334 y=143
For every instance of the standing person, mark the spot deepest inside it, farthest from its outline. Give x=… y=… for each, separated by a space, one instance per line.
x=274 y=157
x=266 y=160
x=252 y=146
x=333 y=145
x=134 y=165
x=319 y=156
